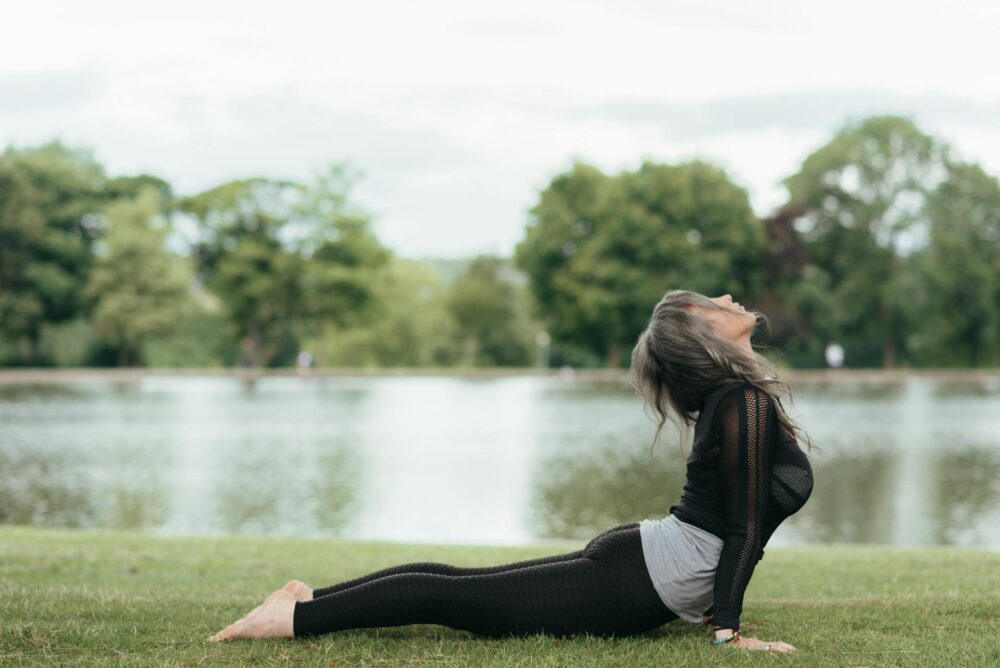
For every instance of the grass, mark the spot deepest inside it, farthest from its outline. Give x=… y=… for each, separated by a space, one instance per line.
x=115 y=598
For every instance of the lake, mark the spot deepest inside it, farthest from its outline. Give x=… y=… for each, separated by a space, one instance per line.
x=474 y=460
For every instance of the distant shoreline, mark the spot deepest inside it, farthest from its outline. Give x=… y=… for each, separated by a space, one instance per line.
x=47 y=375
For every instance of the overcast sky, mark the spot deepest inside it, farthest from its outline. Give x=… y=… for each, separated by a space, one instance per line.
x=458 y=113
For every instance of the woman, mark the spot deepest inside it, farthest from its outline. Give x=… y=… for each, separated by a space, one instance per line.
x=745 y=475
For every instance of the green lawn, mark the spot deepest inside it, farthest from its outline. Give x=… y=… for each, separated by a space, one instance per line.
x=88 y=597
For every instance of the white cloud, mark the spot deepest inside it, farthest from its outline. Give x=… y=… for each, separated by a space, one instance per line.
x=458 y=112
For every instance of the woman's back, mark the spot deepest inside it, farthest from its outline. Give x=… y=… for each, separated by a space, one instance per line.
x=737 y=414
x=745 y=475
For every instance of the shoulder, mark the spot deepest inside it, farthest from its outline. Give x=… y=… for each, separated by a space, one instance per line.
x=745 y=393
x=745 y=398
x=746 y=414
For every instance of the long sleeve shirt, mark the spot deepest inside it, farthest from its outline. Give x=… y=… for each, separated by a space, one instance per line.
x=745 y=475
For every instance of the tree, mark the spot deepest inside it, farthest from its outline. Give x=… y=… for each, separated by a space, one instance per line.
x=960 y=271
x=862 y=200
x=49 y=197
x=285 y=258
x=600 y=251
x=139 y=287
x=488 y=316
x=240 y=256
x=796 y=298
x=343 y=258
x=406 y=324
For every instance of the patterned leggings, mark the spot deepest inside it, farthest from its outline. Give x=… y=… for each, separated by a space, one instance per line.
x=603 y=589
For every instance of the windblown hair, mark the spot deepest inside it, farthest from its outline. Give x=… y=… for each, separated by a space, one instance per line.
x=678 y=360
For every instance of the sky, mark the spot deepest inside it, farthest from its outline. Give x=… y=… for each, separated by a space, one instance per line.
x=455 y=114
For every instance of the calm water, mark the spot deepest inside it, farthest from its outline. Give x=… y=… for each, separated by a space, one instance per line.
x=457 y=460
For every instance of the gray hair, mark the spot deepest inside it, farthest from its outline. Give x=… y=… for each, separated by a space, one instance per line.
x=678 y=360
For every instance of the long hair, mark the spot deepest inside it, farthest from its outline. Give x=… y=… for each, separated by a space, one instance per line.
x=678 y=360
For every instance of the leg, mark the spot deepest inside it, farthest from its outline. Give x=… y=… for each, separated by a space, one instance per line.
x=606 y=590
x=435 y=568
x=301 y=592
x=273 y=623
x=447 y=569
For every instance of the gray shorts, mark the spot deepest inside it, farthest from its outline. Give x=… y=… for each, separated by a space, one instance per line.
x=681 y=560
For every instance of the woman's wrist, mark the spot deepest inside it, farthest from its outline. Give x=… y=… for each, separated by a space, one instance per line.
x=726 y=638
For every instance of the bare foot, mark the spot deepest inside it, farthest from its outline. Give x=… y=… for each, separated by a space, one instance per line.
x=300 y=590
x=273 y=619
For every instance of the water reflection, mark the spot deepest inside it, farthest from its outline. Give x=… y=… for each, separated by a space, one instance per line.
x=137 y=508
x=850 y=503
x=973 y=387
x=44 y=491
x=284 y=491
x=40 y=391
x=34 y=491
x=443 y=459
x=966 y=492
x=577 y=495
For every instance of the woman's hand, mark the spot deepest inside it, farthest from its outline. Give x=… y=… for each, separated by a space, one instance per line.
x=762 y=645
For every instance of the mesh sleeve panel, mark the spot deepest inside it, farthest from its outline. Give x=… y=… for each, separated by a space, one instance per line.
x=745 y=423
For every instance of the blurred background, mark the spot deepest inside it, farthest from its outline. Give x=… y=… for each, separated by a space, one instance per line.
x=375 y=269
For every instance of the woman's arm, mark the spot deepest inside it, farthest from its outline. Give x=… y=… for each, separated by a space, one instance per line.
x=746 y=425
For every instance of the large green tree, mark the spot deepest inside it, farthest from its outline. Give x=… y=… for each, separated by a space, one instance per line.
x=796 y=298
x=344 y=260
x=601 y=250
x=49 y=198
x=139 y=287
x=240 y=257
x=959 y=295
x=285 y=258
x=861 y=200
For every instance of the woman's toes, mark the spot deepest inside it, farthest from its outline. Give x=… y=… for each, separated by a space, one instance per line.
x=228 y=632
x=231 y=630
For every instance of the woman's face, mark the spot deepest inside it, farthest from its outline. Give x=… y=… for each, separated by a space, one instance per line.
x=733 y=324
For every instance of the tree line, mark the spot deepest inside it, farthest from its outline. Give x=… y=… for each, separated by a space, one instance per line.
x=887 y=244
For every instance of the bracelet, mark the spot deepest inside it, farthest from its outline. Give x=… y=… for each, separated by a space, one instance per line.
x=723 y=641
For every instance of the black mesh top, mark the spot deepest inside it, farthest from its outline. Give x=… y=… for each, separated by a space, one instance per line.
x=745 y=475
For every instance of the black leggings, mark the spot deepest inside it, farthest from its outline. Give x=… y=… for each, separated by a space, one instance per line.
x=603 y=589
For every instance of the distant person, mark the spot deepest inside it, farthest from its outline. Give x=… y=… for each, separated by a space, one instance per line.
x=304 y=360
x=745 y=475
x=834 y=355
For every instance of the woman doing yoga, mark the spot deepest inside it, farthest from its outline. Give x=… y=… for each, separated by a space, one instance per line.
x=693 y=362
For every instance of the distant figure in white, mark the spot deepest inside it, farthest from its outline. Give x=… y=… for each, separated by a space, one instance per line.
x=834 y=354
